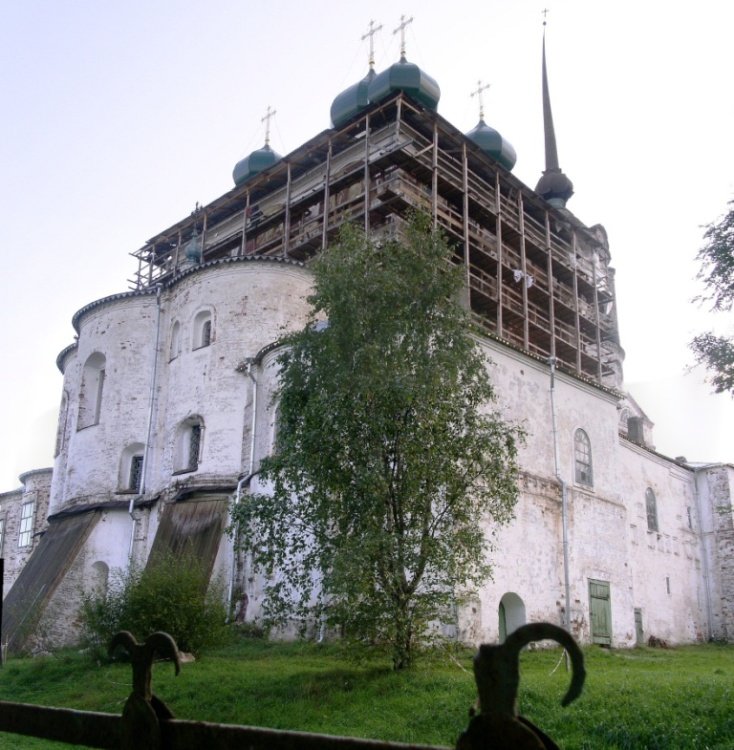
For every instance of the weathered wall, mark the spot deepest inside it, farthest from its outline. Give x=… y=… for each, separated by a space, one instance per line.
x=35 y=487
x=714 y=485
x=680 y=576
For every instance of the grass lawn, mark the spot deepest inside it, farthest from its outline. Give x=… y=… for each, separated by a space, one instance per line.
x=644 y=698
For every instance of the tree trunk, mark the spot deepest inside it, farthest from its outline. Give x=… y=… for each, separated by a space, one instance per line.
x=403 y=636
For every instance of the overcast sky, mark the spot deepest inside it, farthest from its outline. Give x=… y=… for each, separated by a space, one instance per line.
x=119 y=117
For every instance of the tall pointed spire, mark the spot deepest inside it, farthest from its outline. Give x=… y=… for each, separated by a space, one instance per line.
x=554 y=186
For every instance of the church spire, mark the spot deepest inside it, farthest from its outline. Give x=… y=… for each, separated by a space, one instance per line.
x=554 y=186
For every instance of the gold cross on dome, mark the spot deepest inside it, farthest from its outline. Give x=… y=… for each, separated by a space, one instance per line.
x=371 y=34
x=478 y=94
x=268 y=116
x=401 y=29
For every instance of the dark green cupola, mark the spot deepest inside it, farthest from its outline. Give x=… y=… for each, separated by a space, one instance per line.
x=408 y=77
x=488 y=139
x=404 y=76
x=259 y=160
x=353 y=100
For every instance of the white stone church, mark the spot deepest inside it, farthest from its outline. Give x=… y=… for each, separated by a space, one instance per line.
x=166 y=409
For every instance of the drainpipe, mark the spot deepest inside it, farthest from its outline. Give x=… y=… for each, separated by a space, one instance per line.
x=151 y=400
x=564 y=495
x=244 y=479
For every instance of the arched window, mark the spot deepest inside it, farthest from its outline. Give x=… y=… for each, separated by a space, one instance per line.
x=582 y=456
x=189 y=443
x=203 y=330
x=131 y=468
x=175 y=340
x=90 y=395
x=651 y=508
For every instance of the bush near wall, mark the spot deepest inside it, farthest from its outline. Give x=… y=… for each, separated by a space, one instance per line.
x=173 y=595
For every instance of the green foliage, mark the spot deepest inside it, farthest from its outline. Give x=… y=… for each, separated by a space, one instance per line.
x=392 y=468
x=716 y=353
x=172 y=595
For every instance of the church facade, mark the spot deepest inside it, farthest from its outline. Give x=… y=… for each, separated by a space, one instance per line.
x=167 y=404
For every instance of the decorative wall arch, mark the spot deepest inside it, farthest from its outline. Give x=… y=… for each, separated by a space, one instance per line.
x=99 y=578
x=175 y=346
x=90 y=393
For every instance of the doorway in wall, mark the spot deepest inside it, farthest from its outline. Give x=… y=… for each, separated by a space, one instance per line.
x=511 y=614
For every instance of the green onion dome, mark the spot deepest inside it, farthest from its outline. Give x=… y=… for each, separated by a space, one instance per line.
x=351 y=101
x=493 y=144
x=408 y=77
x=258 y=161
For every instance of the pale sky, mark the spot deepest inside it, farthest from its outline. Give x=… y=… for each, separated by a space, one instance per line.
x=119 y=117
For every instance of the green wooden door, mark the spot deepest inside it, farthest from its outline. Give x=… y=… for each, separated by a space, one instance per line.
x=600 y=607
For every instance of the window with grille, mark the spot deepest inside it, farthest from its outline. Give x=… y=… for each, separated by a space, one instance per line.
x=582 y=454
x=136 y=474
x=26 y=524
x=194 y=446
x=188 y=445
x=203 y=330
x=651 y=508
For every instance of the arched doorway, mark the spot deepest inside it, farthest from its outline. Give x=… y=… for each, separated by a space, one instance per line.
x=511 y=614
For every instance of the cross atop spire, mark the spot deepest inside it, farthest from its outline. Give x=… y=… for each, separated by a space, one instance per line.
x=478 y=94
x=268 y=117
x=401 y=29
x=545 y=12
x=371 y=34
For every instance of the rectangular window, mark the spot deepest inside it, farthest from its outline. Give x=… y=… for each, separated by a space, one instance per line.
x=194 y=446
x=136 y=474
x=26 y=524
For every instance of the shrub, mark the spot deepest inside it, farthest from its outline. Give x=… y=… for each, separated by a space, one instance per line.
x=173 y=594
